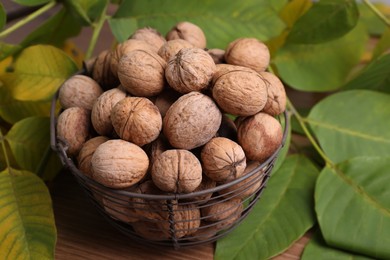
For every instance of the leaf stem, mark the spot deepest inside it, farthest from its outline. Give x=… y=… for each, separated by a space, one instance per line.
x=97 y=27
x=2 y=140
x=316 y=146
x=377 y=12
x=28 y=18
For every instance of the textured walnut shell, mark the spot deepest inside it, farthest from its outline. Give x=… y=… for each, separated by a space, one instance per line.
x=223 y=159
x=191 y=69
x=85 y=155
x=248 y=52
x=247 y=187
x=222 y=212
x=141 y=73
x=177 y=171
x=149 y=230
x=102 y=72
x=165 y=100
x=191 y=121
x=206 y=184
x=218 y=55
x=119 y=207
x=186 y=219
x=73 y=126
x=157 y=147
x=242 y=93
x=79 y=91
x=171 y=48
x=125 y=48
x=189 y=32
x=276 y=103
x=137 y=120
x=222 y=69
x=101 y=110
x=260 y=136
x=119 y=164
x=149 y=35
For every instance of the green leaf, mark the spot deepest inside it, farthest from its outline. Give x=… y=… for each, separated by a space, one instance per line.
x=325 y=21
x=247 y=18
x=30 y=144
x=87 y=10
x=32 y=2
x=39 y=71
x=319 y=250
x=12 y=110
x=3 y=16
x=54 y=31
x=281 y=216
x=374 y=24
x=294 y=10
x=352 y=123
x=321 y=67
x=374 y=76
x=27 y=221
x=7 y=50
x=383 y=45
x=353 y=206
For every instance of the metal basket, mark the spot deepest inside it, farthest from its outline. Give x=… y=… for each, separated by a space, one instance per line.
x=173 y=220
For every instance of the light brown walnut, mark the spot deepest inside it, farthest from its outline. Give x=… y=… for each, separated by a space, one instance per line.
x=191 y=121
x=218 y=55
x=189 y=32
x=172 y=47
x=223 y=213
x=85 y=155
x=276 y=103
x=149 y=35
x=119 y=164
x=137 y=120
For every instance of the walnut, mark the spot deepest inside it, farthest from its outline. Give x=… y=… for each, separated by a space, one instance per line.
x=101 y=110
x=171 y=48
x=165 y=100
x=157 y=147
x=125 y=48
x=79 y=91
x=260 y=136
x=242 y=93
x=222 y=69
x=223 y=159
x=189 y=32
x=191 y=69
x=119 y=164
x=222 y=213
x=141 y=73
x=149 y=230
x=102 y=72
x=149 y=35
x=119 y=207
x=218 y=55
x=276 y=103
x=191 y=121
x=248 y=52
x=73 y=126
x=206 y=184
x=247 y=187
x=86 y=152
x=177 y=171
x=137 y=120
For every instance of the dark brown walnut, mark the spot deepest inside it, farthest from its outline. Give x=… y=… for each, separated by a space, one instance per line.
x=218 y=55
x=79 y=91
x=276 y=103
x=189 y=32
x=260 y=136
x=149 y=230
x=223 y=213
x=85 y=155
x=102 y=72
x=248 y=52
x=177 y=171
x=191 y=69
x=149 y=35
x=223 y=159
x=247 y=187
x=88 y=65
x=191 y=121
x=186 y=219
x=165 y=100
x=119 y=164
x=171 y=48
x=118 y=207
x=101 y=111
x=241 y=93
x=137 y=120
x=141 y=73
x=73 y=127
x=125 y=48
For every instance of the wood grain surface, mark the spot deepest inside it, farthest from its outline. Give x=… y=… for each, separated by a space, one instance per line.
x=83 y=233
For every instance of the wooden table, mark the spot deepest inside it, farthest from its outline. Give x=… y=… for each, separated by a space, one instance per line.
x=83 y=233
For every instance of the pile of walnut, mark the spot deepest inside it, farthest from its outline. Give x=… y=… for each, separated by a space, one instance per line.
x=151 y=118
